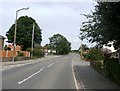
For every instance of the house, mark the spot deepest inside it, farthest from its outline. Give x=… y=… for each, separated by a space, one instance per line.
x=17 y=48
x=8 y=54
x=2 y=42
x=17 y=51
x=45 y=48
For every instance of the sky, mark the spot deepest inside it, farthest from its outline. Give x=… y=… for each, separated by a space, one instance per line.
x=63 y=17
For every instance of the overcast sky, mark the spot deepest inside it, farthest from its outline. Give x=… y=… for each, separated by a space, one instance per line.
x=53 y=17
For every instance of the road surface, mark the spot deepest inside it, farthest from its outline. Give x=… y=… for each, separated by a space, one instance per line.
x=54 y=73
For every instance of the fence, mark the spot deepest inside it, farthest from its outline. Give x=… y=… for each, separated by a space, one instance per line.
x=9 y=54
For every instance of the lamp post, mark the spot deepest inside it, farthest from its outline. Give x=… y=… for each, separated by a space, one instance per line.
x=16 y=30
x=32 y=40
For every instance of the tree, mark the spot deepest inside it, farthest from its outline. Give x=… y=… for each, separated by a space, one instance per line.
x=6 y=48
x=103 y=24
x=60 y=44
x=24 y=32
x=84 y=47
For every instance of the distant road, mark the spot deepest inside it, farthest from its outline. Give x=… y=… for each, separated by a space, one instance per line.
x=55 y=73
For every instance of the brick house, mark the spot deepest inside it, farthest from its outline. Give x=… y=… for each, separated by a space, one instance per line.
x=17 y=48
x=9 y=53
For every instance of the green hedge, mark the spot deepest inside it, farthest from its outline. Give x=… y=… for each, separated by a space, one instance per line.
x=20 y=54
x=113 y=70
x=109 y=68
x=94 y=54
x=38 y=53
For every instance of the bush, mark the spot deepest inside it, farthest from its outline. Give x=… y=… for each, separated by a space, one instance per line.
x=16 y=58
x=28 y=49
x=113 y=70
x=87 y=56
x=96 y=54
x=37 y=52
x=20 y=54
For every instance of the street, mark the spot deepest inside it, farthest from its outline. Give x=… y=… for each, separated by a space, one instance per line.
x=54 y=73
x=60 y=45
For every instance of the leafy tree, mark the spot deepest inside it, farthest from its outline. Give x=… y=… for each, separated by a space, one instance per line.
x=60 y=44
x=103 y=25
x=96 y=54
x=24 y=32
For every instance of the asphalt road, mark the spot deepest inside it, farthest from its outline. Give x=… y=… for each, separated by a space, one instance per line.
x=52 y=74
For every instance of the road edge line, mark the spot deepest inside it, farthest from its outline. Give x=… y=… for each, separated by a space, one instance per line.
x=76 y=85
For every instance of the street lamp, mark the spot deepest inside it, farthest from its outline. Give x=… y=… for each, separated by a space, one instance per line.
x=15 y=30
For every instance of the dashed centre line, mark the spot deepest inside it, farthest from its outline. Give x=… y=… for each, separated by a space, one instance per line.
x=20 y=82
x=50 y=65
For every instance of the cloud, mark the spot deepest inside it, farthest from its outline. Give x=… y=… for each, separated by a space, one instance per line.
x=52 y=17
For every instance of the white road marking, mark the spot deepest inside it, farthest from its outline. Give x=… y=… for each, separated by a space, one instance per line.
x=76 y=85
x=11 y=65
x=20 y=82
x=57 y=61
x=50 y=65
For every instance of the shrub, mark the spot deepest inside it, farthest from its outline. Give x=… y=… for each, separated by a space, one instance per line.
x=37 y=52
x=87 y=56
x=20 y=54
x=113 y=69
x=96 y=54
x=28 y=49
x=16 y=58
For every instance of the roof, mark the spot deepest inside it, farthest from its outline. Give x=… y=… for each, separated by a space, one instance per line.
x=2 y=37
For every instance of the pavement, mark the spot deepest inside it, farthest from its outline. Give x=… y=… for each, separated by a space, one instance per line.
x=89 y=79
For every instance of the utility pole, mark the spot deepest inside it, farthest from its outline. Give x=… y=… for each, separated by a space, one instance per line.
x=32 y=40
x=16 y=31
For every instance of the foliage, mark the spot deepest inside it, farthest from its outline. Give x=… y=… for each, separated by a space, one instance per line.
x=109 y=68
x=24 y=32
x=37 y=52
x=20 y=54
x=7 y=48
x=76 y=51
x=103 y=24
x=16 y=58
x=28 y=49
x=96 y=54
x=113 y=70
x=60 y=44
x=87 y=56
